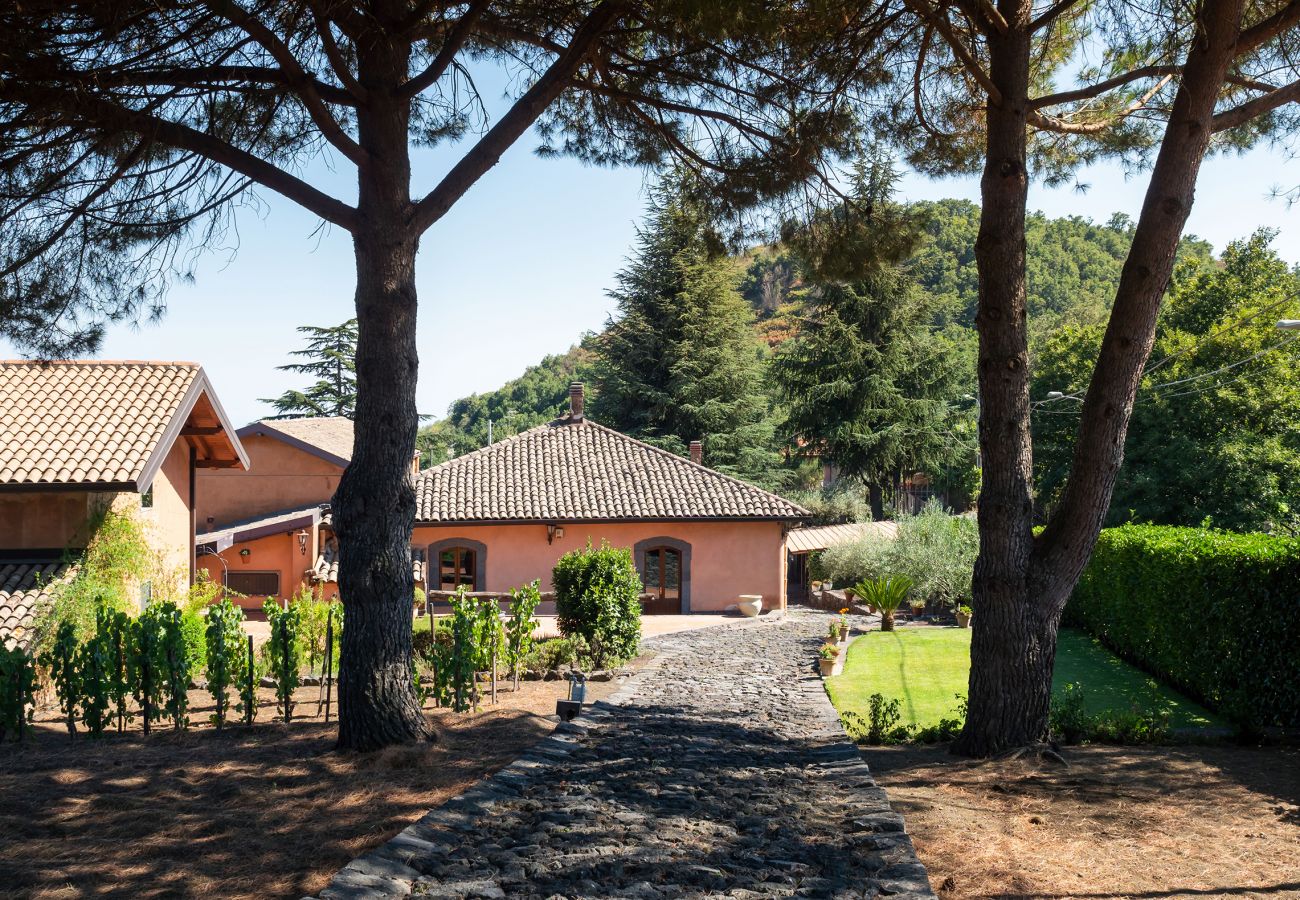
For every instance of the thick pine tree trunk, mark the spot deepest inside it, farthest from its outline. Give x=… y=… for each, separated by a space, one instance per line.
x=374 y=507
x=1007 y=698
x=1021 y=583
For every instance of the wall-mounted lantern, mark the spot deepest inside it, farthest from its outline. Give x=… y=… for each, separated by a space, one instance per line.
x=302 y=541
x=553 y=532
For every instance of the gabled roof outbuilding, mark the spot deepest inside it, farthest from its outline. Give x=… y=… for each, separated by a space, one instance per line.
x=106 y=425
x=574 y=470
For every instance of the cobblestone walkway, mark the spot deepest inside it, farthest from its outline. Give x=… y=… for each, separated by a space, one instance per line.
x=721 y=770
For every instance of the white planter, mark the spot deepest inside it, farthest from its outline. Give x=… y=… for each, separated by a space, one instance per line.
x=750 y=604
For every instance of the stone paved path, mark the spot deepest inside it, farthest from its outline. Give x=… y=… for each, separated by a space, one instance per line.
x=721 y=771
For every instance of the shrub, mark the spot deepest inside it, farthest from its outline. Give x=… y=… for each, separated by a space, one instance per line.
x=314 y=616
x=881 y=725
x=1211 y=613
x=61 y=660
x=596 y=596
x=224 y=637
x=555 y=653
x=284 y=651
x=520 y=625
x=1071 y=724
x=95 y=661
x=174 y=654
x=117 y=557
x=194 y=631
x=113 y=628
x=934 y=549
x=17 y=691
x=146 y=667
x=834 y=505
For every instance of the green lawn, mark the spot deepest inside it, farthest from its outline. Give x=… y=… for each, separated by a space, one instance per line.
x=925 y=668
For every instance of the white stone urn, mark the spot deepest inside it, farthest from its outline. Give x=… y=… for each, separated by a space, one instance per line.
x=750 y=605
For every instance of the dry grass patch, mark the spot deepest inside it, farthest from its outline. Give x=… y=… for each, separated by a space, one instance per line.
x=1120 y=822
x=260 y=811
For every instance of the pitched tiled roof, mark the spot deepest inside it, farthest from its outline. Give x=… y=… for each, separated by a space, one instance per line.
x=260 y=526
x=329 y=437
x=802 y=540
x=24 y=587
x=577 y=470
x=94 y=422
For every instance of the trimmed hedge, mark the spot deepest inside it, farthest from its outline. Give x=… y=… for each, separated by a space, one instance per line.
x=1212 y=613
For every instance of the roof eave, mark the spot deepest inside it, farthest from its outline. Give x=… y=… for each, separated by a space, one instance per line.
x=260 y=427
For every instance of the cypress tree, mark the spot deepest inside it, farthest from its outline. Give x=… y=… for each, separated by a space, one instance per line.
x=681 y=361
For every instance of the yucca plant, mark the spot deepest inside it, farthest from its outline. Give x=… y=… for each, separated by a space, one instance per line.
x=885 y=594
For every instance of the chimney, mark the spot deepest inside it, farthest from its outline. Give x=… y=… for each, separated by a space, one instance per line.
x=697 y=452
x=415 y=463
x=576 y=401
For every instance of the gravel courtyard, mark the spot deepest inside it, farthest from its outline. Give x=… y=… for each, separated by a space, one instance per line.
x=720 y=771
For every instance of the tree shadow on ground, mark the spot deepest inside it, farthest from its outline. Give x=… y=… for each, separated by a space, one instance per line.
x=1194 y=820
x=254 y=811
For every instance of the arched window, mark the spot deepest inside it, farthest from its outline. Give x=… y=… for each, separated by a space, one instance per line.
x=455 y=563
x=665 y=567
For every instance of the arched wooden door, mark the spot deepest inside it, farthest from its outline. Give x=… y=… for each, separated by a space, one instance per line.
x=663 y=580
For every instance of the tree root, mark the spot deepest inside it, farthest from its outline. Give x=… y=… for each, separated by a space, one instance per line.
x=1042 y=749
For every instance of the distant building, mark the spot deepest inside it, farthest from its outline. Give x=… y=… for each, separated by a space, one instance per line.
x=81 y=437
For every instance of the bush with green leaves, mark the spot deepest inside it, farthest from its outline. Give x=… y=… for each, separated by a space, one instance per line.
x=194 y=634
x=1211 y=613
x=225 y=639
x=520 y=626
x=113 y=629
x=1071 y=723
x=62 y=660
x=881 y=725
x=597 y=592
x=314 y=615
x=246 y=682
x=285 y=652
x=95 y=664
x=17 y=691
x=556 y=653
x=175 y=652
x=147 y=667
x=933 y=548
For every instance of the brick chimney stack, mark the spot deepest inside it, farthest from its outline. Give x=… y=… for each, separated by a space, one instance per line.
x=576 y=401
x=415 y=463
x=697 y=452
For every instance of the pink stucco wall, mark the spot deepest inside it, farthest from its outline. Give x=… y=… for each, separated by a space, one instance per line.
x=168 y=523
x=274 y=553
x=727 y=558
x=279 y=477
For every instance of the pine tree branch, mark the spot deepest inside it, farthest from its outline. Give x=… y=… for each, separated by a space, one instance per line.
x=1095 y=90
x=451 y=45
x=92 y=111
x=521 y=116
x=1251 y=109
x=963 y=53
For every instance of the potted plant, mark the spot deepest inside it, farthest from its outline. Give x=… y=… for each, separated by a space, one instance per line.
x=886 y=595
x=844 y=625
x=830 y=660
x=833 y=633
x=918 y=607
x=963 y=615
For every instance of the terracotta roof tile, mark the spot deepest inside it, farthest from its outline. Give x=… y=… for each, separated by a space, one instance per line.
x=577 y=470
x=85 y=422
x=24 y=588
x=332 y=434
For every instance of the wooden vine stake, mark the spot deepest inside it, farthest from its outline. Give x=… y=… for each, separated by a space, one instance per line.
x=494 y=674
x=252 y=697
x=327 y=668
x=284 y=665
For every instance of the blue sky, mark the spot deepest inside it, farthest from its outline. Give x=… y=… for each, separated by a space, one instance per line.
x=520 y=268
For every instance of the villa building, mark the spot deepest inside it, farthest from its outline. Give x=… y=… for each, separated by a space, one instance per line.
x=80 y=438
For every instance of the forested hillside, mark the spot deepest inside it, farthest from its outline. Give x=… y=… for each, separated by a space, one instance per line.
x=1073 y=266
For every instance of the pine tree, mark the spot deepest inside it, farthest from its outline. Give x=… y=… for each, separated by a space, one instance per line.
x=331 y=359
x=681 y=361
x=866 y=384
